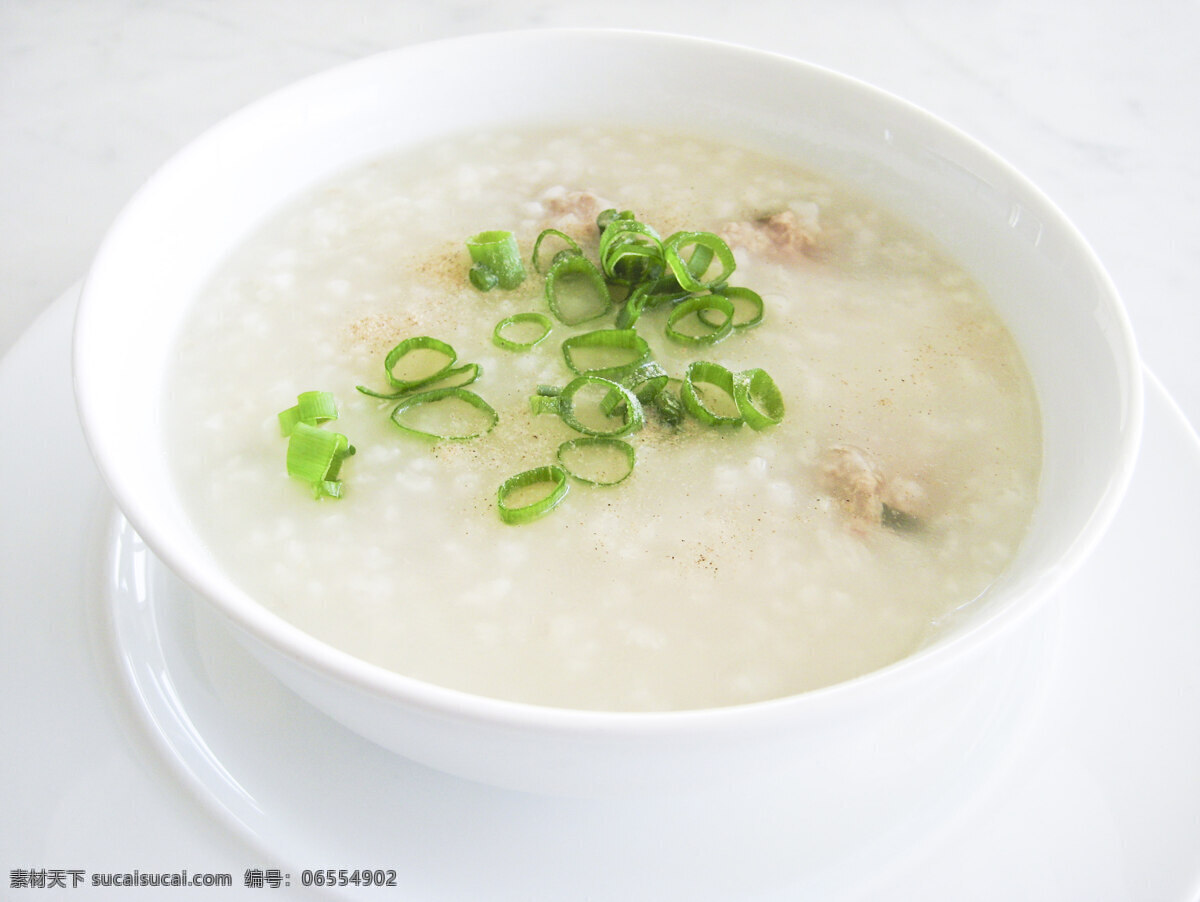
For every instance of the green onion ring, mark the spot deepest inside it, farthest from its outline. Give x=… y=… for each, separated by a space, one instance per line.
x=700 y=259
x=315 y=456
x=497 y=251
x=754 y=385
x=645 y=381
x=565 y=449
x=713 y=374
x=572 y=246
x=422 y=342
x=312 y=407
x=618 y=339
x=605 y=218
x=482 y=277
x=630 y=263
x=633 y=419
x=508 y=344
x=458 y=377
x=550 y=473
x=631 y=310
x=539 y=404
x=682 y=270
x=584 y=268
x=440 y=394
x=628 y=238
x=738 y=294
x=669 y=407
x=695 y=305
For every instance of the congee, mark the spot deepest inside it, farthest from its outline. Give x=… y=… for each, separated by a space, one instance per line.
x=888 y=480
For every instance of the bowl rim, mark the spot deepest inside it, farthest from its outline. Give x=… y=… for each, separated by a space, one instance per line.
x=281 y=636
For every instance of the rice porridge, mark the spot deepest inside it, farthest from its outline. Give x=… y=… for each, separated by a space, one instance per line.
x=732 y=565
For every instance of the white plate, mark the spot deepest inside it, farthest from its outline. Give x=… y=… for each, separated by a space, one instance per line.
x=137 y=735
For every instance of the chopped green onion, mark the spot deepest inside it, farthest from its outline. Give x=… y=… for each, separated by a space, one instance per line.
x=700 y=259
x=542 y=321
x=572 y=247
x=448 y=405
x=669 y=407
x=645 y=381
x=631 y=310
x=540 y=403
x=482 y=277
x=697 y=305
x=710 y=374
x=413 y=346
x=497 y=251
x=672 y=253
x=606 y=218
x=577 y=269
x=456 y=377
x=741 y=297
x=607 y=343
x=554 y=476
x=631 y=252
x=564 y=405
x=315 y=456
x=312 y=407
x=596 y=448
x=758 y=398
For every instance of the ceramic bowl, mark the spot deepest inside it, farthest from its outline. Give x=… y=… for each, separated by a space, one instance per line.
x=903 y=725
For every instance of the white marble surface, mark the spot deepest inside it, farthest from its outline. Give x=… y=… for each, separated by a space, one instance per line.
x=1092 y=100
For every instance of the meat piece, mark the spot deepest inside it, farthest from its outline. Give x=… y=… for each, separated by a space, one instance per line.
x=867 y=496
x=781 y=236
x=568 y=210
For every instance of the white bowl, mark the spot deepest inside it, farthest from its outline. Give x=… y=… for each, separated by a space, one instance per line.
x=904 y=723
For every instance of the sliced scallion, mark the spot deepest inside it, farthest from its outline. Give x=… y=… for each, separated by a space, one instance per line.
x=669 y=407
x=617 y=351
x=496 y=251
x=445 y=414
x=699 y=304
x=625 y=403
x=482 y=277
x=315 y=456
x=747 y=304
x=631 y=309
x=552 y=476
x=703 y=372
x=572 y=272
x=519 y=319
x=758 y=398
x=407 y=368
x=645 y=381
x=606 y=217
x=455 y=377
x=673 y=249
x=590 y=459
x=571 y=248
x=631 y=252
x=312 y=407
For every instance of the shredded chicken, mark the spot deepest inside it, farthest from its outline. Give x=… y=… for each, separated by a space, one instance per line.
x=863 y=491
x=781 y=236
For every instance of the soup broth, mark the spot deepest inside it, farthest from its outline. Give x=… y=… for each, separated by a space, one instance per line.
x=732 y=565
